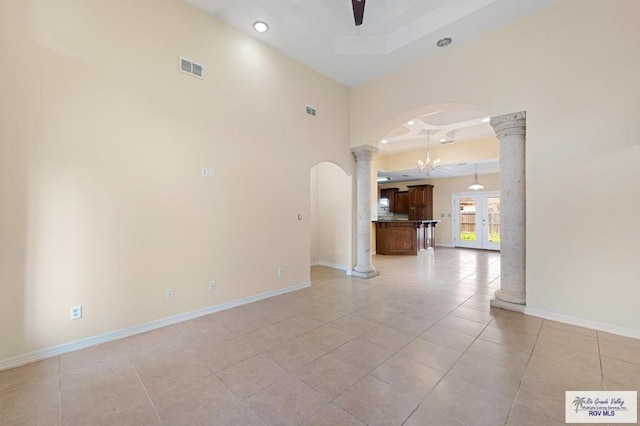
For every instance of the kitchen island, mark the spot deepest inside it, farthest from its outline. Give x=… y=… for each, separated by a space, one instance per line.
x=402 y=236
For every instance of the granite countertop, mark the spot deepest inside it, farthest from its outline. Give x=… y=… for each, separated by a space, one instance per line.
x=405 y=220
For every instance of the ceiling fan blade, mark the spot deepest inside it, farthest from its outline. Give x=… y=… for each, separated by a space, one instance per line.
x=358 y=11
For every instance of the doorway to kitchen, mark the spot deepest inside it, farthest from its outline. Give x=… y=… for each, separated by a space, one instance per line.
x=476 y=220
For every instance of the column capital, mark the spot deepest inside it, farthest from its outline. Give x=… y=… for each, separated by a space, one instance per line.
x=510 y=124
x=364 y=152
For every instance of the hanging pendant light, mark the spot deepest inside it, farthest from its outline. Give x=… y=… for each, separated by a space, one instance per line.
x=428 y=166
x=476 y=185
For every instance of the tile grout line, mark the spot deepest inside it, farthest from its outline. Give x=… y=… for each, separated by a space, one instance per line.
x=59 y=392
x=600 y=359
x=454 y=363
x=135 y=369
x=459 y=357
x=386 y=359
x=524 y=372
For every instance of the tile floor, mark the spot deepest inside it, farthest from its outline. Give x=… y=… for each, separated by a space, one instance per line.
x=418 y=345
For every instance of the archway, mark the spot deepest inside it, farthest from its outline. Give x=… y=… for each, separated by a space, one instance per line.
x=510 y=130
x=331 y=220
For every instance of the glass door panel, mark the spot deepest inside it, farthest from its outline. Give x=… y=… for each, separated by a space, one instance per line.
x=467 y=208
x=477 y=220
x=492 y=223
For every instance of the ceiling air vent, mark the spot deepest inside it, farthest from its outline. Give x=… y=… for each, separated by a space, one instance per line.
x=311 y=111
x=190 y=67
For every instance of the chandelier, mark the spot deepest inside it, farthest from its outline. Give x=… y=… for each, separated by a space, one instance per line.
x=476 y=185
x=428 y=166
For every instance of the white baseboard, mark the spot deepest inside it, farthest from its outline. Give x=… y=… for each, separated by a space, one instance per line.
x=445 y=245
x=332 y=265
x=140 y=328
x=613 y=329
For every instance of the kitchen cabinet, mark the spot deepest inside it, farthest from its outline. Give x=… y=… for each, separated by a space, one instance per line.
x=405 y=236
x=401 y=202
x=389 y=194
x=421 y=202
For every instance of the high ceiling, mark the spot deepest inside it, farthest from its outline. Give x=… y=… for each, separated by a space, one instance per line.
x=322 y=35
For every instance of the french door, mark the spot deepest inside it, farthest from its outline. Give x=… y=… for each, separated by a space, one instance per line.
x=476 y=220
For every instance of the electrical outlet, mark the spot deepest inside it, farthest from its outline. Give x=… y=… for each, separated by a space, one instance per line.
x=281 y=272
x=76 y=312
x=207 y=172
x=212 y=285
x=170 y=294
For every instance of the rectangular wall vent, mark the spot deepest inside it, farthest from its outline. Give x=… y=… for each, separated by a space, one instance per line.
x=311 y=111
x=191 y=67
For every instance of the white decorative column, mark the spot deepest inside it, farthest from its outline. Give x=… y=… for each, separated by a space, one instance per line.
x=363 y=155
x=511 y=130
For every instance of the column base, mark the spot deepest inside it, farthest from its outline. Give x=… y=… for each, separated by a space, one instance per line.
x=497 y=303
x=370 y=274
x=510 y=297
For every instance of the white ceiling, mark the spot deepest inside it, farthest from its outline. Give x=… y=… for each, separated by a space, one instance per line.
x=437 y=127
x=444 y=171
x=322 y=35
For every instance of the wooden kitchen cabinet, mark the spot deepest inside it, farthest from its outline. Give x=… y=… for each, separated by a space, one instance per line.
x=389 y=194
x=401 y=202
x=421 y=202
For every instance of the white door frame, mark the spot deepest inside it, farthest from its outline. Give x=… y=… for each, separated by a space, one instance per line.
x=482 y=228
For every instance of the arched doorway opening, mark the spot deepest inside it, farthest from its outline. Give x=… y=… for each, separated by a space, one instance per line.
x=509 y=136
x=457 y=134
x=331 y=219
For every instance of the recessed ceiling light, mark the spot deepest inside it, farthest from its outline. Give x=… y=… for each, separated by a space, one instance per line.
x=444 y=42
x=486 y=120
x=384 y=179
x=443 y=140
x=411 y=123
x=383 y=141
x=260 y=26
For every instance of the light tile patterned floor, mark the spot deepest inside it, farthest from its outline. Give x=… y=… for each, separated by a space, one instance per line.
x=418 y=345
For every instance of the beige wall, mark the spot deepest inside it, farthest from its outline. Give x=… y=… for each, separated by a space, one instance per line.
x=101 y=144
x=331 y=216
x=574 y=69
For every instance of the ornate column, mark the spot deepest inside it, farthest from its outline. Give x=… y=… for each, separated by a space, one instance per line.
x=363 y=155
x=511 y=130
